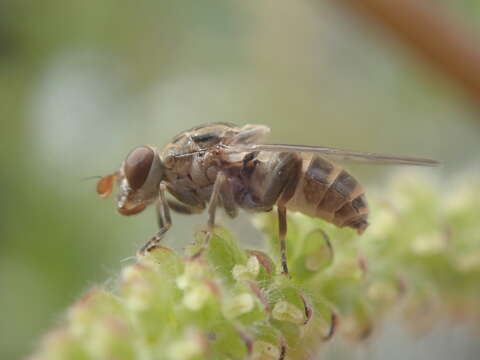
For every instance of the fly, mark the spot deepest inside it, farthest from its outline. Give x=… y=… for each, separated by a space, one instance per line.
x=221 y=165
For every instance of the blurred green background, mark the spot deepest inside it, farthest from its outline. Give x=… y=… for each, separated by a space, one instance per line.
x=82 y=82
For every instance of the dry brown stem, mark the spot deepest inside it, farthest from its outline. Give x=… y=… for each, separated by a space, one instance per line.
x=432 y=33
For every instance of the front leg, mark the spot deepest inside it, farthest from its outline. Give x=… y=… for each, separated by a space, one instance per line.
x=182 y=208
x=164 y=221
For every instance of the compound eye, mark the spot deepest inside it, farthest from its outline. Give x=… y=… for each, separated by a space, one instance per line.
x=137 y=166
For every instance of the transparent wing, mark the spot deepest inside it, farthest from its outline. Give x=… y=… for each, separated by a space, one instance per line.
x=339 y=154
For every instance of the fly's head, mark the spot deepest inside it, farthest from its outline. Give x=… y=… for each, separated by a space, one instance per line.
x=138 y=180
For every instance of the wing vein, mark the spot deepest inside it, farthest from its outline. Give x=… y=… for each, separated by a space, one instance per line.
x=342 y=154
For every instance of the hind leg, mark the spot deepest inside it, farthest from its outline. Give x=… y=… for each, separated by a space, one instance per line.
x=282 y=234
x=280 y=185
x=294 y=176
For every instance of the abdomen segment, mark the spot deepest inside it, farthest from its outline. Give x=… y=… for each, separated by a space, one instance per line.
x=327 y=191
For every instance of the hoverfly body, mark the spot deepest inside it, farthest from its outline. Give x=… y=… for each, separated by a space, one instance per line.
x=220 y=165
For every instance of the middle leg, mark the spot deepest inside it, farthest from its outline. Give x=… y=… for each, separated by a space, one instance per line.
x=212 y=205
x=212 y=209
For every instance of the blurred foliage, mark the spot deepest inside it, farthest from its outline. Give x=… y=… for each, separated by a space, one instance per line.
x=83 y=82
x=422 y=258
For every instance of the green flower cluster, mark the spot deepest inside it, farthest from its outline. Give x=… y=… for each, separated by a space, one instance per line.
x=421 y=256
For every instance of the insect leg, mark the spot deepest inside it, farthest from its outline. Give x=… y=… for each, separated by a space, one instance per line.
x=228 y=199
x=212 y=205
x=181 y=208
x=281 y=188
x=164 y=221
x=212 y=208
x=281 y=182
x=282 y=233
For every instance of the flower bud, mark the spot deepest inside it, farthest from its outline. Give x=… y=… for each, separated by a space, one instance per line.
x=197 y=297
x=263 y=350
x=286 y=311
x=239 y=305
x=189 y=348
x=247 y=272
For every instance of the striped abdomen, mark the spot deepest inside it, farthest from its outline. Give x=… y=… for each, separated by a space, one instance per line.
x=327 y=191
